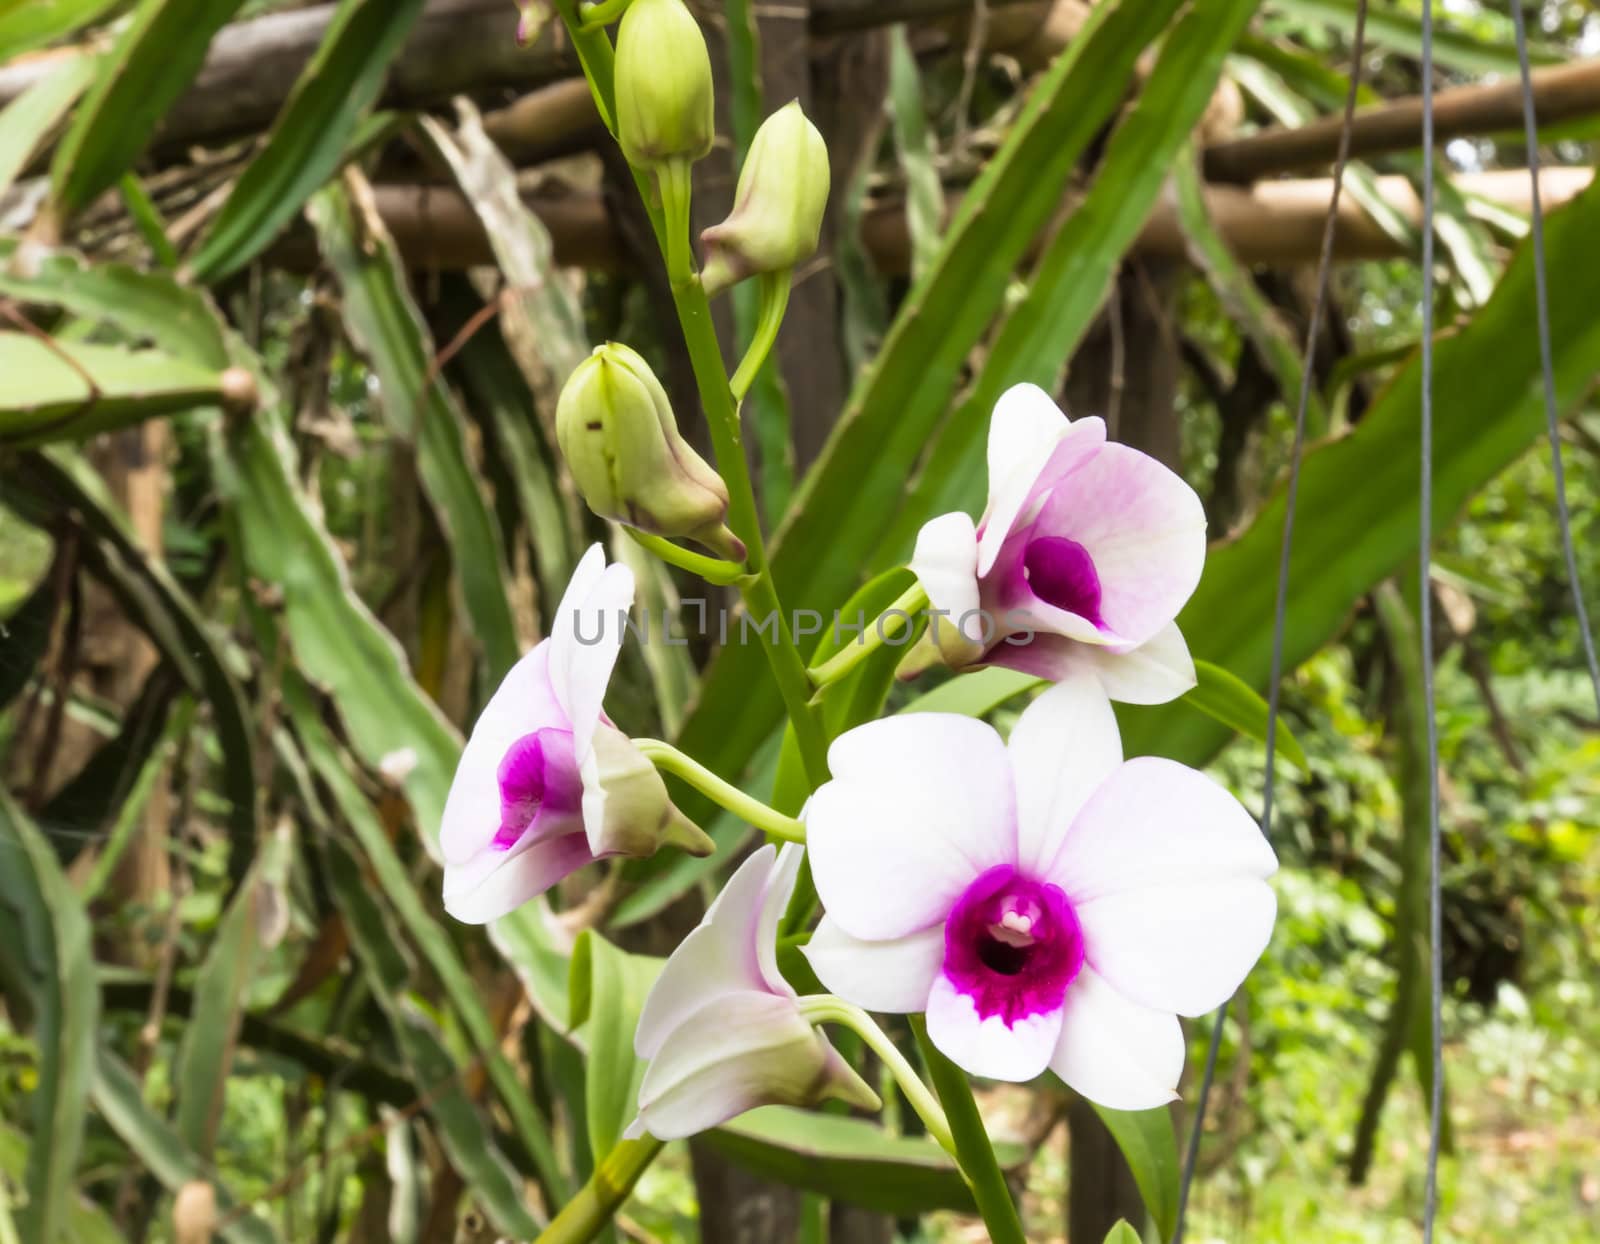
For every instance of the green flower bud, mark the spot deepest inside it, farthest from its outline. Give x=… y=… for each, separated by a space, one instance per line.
x=663 y=84
x=777 y=211
x=622 y=445
x=626 y=807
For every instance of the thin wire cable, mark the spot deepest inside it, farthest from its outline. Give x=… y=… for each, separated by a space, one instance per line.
x=1430 y=1202
x=1280 y=605
x=1552 y=417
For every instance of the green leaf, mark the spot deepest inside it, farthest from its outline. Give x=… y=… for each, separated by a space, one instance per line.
x=1122 y=1233
x=87 y=1223
x=45 y=950
x=159 y=1149
x=974 y=695
x=419 y=407
x=463 y=1132
x=48 y=395
x=312 y=134
x=1150 y=1145
x=430 y=936
x=608 y=988
x=839 y=514
x=29 y=24
x=849 y=1160
x=1361 y=489
x=221 y=990
x=151 y=64
x=337 y=643
x=1401 y=31
x=146 y=306
x=914 y=143
x=29 y=118
x=1235 y=703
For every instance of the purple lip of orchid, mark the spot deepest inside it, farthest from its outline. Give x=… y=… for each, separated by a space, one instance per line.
x=1060 y=572
x=537 y=774
x=1012 y=945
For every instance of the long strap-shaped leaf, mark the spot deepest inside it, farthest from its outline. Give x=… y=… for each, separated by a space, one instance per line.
x=151 y=64
x=419 y=408
x=29 y=24
x=45 y=944
x=309 y=138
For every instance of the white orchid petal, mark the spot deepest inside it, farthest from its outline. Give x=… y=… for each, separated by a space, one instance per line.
x=945 y=562
x=1115 y=1052
x=524 y=703
x=989 y=1047
x=496 y=883
x=1062 y=748
x=925 y=799
x=717 y=959
x=892 y=976
x=585 y=638
x=775 y=897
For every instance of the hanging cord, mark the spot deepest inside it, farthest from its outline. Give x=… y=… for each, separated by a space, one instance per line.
x=1542 y=301
x=1280 y=607
x=1430 y=1204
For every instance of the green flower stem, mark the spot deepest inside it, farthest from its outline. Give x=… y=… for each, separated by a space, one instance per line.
x=827 y=1009
x=896 y=618
x=775 y=288
x=674 y=182
x=973 y=1149
x=711 y=569
x=669 y=759
x=759 y=593
x=587 y=1214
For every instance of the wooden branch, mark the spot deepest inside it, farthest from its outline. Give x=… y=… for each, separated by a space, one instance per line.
x=1560 y=93
x=1276 y=222
x=457 y=47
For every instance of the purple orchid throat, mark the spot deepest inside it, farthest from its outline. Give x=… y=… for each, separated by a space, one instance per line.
x=538 y=774
x=1060 y=572
x=1012 y=944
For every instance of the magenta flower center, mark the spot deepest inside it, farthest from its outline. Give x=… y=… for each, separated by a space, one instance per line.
x=537 y=774
x=1060 y=572
x=1012 y=944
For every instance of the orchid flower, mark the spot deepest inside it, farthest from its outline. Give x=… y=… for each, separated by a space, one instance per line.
x=723 y=1030
x=1084 y=555
x=1045 y=902
x=546 y=783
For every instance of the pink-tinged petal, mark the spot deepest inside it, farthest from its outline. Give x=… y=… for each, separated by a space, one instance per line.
x=918 y=806
x=1181 y=947
x=775 y=896
x=1144 y=529
x=989 y=1047
x=1063 y=747
x=734 y=1053
x=523 y=704
x=1115 y=1052
x=1025 y=463
x=717 y=958
x=495 y=883
x=1157 y=671
x=586 y=635
x=1157 y=822
x=893 y=976
x=945 y=562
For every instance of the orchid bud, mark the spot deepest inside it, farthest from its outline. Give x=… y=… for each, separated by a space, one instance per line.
x=626 y=807
x=778 y=208
x=528 y=24
x=663 y=85
x=622 y=445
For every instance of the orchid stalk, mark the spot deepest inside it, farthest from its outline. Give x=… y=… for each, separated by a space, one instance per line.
x=769 y=821
x=889 y=625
